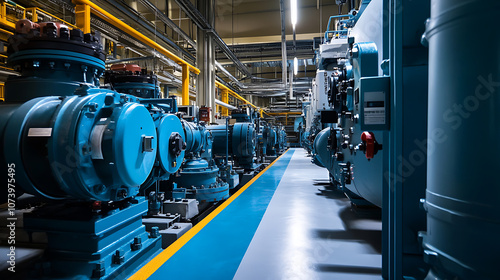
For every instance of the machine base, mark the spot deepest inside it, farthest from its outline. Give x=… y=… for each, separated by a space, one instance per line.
x=85 y=243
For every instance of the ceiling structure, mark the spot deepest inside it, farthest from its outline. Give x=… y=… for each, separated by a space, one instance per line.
x=249 y=52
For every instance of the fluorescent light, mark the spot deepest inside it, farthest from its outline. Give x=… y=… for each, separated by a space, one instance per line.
x=295 y=66
x=293 y=5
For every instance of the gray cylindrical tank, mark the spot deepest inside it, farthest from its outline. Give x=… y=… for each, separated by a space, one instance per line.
x=463 y=191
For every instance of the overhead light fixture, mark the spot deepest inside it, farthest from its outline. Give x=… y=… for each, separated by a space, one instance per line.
x=295 y=66
x=293 y=7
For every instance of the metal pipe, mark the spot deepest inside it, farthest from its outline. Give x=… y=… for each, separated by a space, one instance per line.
x=140 y=19
x=169 y=22
x=227 y=141
x=233 y=93
x=200 y=21
x=129 y=59
x=227 y=74
x=284 y=63
x=134 y=33
x=224 y=104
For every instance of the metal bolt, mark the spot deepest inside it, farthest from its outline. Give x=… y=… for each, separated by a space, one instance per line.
x=122 y=194
x=137 y=245
x=123 y=99
x=118 y=257
x=92 y=106
x=155 y=232
x=99 y=270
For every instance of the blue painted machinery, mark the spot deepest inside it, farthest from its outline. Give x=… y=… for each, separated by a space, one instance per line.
x=355 y=134
x=242 y=137
x=241 y=146
x=262 y=138
x=463 y=194
x=281 y=139
x=312 y=128
x=368 y=107
x=199 y=175
x=267 y=140
x=131 y=79
x=272 y=141
x=86 y=149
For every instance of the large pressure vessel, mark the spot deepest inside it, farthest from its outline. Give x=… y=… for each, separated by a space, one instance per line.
x=463 y=193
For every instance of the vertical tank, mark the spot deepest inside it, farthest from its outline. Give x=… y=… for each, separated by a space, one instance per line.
x=463 y=192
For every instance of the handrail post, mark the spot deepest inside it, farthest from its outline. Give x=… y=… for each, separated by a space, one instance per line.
x=82 y=16
x=185 y=84
x=225 y=99
x=34 y=15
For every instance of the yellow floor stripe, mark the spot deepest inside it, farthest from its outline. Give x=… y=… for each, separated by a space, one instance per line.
x=161 y=258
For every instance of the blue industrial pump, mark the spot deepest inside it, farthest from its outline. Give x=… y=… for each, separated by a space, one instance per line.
x=131 y=79
x=199 y=176
x=272 y=141
x=281 y=139
x=84 y=148
x=242 y=140
x=262 y=138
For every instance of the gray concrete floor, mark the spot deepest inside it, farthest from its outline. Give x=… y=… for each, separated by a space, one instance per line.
x=309 y=231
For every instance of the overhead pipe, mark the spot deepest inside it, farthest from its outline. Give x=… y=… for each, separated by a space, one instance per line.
x=175 y=81
x=195 y=15
x=114 y=61
x=164 y=18
x=134 y=33
x=218 y=102
x=277 y=86
x=233 y=93
x=228 y=75
x=284 y=64
x=83 y=19
x=150 y=57
x=136 y=16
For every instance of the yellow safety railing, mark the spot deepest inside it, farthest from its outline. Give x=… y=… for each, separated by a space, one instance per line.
x=230 y=91
x=10 y=13
x=1 y=90
x=286 y=114
x=83 y=10
x=224 y=97
x=226 y=91
x=34 y=13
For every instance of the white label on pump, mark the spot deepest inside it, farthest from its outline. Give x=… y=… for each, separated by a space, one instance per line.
x=96 y=141
x=374 y=108
x=39 y=132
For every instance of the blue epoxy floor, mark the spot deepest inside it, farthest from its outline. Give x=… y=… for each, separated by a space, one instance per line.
x=290 y=224
x=310 y=232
